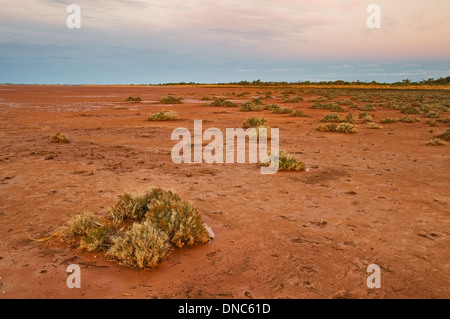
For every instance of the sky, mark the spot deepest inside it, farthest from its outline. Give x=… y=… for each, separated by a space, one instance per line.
x=213 y=41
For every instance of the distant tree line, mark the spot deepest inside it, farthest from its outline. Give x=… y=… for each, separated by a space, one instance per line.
x=406 y=82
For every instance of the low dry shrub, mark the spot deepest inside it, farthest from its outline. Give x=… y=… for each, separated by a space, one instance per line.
x=331 y=118
x=407 y=119
x=59 y=138
x=340 y=128
x=444 y=119
x=350 y=118
x=170 y=99
x=389 y=120
x=271 y=107
x=365 y=116
x=134 y=99
x=142 y=246
x=251 y=106
x=254 y=122
x=222 y=102
x=328 y=106
x=163 y=116
x=258 y=123
x=283 y=110
x=293 y=100
x=141 y=229
x=374 y=126
x=435 y=142
x=445 y=136
x=409 y=110
x=298 y=113
x=81 y=224
x=367 y=107
x=285 y=162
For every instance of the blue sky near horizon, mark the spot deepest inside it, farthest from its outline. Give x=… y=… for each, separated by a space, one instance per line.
x=204 y=41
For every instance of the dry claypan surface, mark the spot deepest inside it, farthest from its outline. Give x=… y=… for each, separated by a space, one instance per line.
x=378 y=196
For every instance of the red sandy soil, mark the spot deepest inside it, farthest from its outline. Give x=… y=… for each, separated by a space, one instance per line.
x=374 y=197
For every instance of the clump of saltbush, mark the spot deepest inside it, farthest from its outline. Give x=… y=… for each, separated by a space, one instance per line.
x=293 y=99
x=367 y=107
x=365 y=116
x=349 y=118
x=271 y=107
x=82 y=223
x=251 y=106
x=59 y=138
x=347 y=102
x=170 y=99
x=409 y=110
x=142 y=246
x=340 y=128
x=258 y=123
x=222 y=102
x=141 y=229
x=445 y=136
x=177 y=218
x=298 y=113
x=444 y=119
x=433 y=114
x=283 y=110
x=431 y=122
x=407 y=119
x=134 y=99
x=334 y=118
x=374 y=126
x=435 y=142
x=243 y=94
x=389 y=120
x=285 y=162
x=254 y=122
x=163 y=116
x=333 y=106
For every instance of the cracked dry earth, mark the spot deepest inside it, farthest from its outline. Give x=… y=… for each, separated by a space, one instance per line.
x=374 y=197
